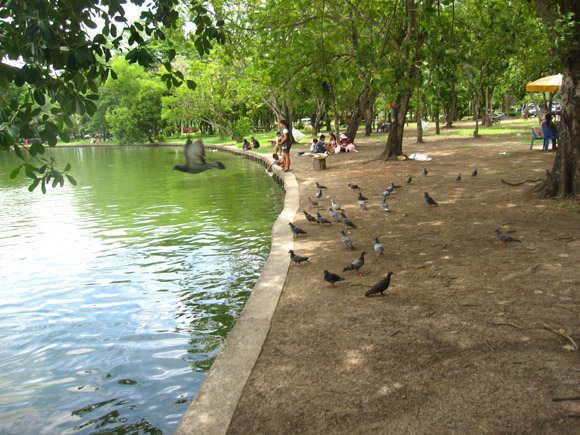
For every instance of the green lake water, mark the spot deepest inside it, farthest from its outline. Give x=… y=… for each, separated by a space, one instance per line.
x=117 y=294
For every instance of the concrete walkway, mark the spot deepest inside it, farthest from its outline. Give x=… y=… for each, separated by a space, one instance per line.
x=214 y=404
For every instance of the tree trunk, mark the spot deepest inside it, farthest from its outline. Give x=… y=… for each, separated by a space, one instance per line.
x=358 y=113
x=564 y=179
x=436 y=115
x=452 y=111
x=487 y=114
x=369 y=116
x=394 y=146
x=419 y=115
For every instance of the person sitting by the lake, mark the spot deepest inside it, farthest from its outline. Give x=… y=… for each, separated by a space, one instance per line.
x=553 y=131
x=277 y=161
x=246 y=145
x=255 y=143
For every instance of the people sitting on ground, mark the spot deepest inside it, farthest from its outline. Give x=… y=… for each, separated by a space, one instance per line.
x=320 y=145
x=255 y=143
x=246 y=145
x=277 y=161
x=332 y=143
x=313 y=146
x=346 y=144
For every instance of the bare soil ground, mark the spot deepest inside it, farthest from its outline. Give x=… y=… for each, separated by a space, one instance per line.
x=460 y=341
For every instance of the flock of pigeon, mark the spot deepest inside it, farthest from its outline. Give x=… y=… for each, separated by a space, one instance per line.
x=337 y=215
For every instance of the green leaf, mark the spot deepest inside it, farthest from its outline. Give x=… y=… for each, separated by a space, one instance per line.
x=67 y=167
x=39 y=97
x=71 y=180
x=191 y=84
x=14 y=173
x=36 y=148
x=34 y=185
x=18 y=152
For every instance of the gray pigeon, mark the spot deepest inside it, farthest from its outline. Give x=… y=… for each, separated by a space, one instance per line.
x=474 y=173
x=347 y=221
x=332 y=278
x=195 y=159
x=319 y=194
x=333 y=215
x=380 y=286
x=387 y=191
x=362 y=204
x=296 y=259
x=353 y=186
x=429 y=201
x=321 y=220
x=394 y=186
x=311 y=219
x=385 y=206
x=312 y=202
x=347 y=242
x=356 y=264
x=335 y=205
x=362 y=197
x=547 y=173
x=409 y=179
x=320 y=186
x=458 y=177
x=379 y=247
x=504 y=238
x=296 y=230
x=425 y=171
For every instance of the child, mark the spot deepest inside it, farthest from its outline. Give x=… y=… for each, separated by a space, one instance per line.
x=277 y=161
x=313 y=146
x=246 y=145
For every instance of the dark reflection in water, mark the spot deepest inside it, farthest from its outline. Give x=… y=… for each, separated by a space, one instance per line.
x=117 y=295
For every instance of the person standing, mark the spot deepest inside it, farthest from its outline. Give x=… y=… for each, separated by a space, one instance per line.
x=285 y=144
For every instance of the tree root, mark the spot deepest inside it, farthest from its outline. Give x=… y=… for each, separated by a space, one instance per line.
x=535 y=180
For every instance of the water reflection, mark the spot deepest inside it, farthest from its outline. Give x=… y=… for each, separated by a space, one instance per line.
x=117 y=294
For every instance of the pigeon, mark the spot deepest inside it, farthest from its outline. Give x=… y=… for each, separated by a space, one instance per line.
x=335 y=205
x=312 y=202
x=380 y=286
x=347 y=221
x=385 y=206
x=504 y=238
x=394 y=186
x=321 y=220
x=332 y=278
x=296 y=230
x=353 y=186
x=547 y=173
x=311 y=219
x=386 y=192
x=379 y=247
x=195 y=159
x=319 y=194
x=347 y=242
x=362 y=204
x=320 y=186
x=429 y=201
x=425 y=171
x=333 y=215
x=362 y=197
x=356 y=264
x=474 y=173
x=458 y=177
x=409 y=179
x=296 y=259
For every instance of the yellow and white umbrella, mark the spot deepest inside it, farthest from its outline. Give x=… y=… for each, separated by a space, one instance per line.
x=545 y=84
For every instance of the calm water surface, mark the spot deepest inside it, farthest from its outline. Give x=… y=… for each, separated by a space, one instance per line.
x=117 y=294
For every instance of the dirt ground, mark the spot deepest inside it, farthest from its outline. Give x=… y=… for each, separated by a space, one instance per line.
x=460 y=341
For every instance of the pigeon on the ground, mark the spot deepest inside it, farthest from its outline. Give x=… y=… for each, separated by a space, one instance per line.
x=353 y=186
x=335 y=205
x=474 y=173
x=347 y=221
x=312 y=202
x=311 y=219
x=385 y=206
x=296 y=230
x=319 y=194
x=356 y=264
x=458 y=177
x=347 y=242
x=380 y=286
x=320 y=186
x=195 y=159
x=333 y=215
x=425 y=171
x=394 y=186
x=321 y=220
x=296 y=259
x=428 y=200
x=332 y=278
x=409 y=179
x=362 y=204
x=362 y=197
x=379 y=247
x=547 y=173
x=504 y=238
x=386 y=192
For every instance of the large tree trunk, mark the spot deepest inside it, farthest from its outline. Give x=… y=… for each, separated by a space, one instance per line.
x=359 y=110
x=452 y=109
x=564 y=179
x=394 y=146
x=369 y=116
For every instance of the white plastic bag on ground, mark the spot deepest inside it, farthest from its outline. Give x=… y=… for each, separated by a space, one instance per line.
x=297 y=135
x=419 y=156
